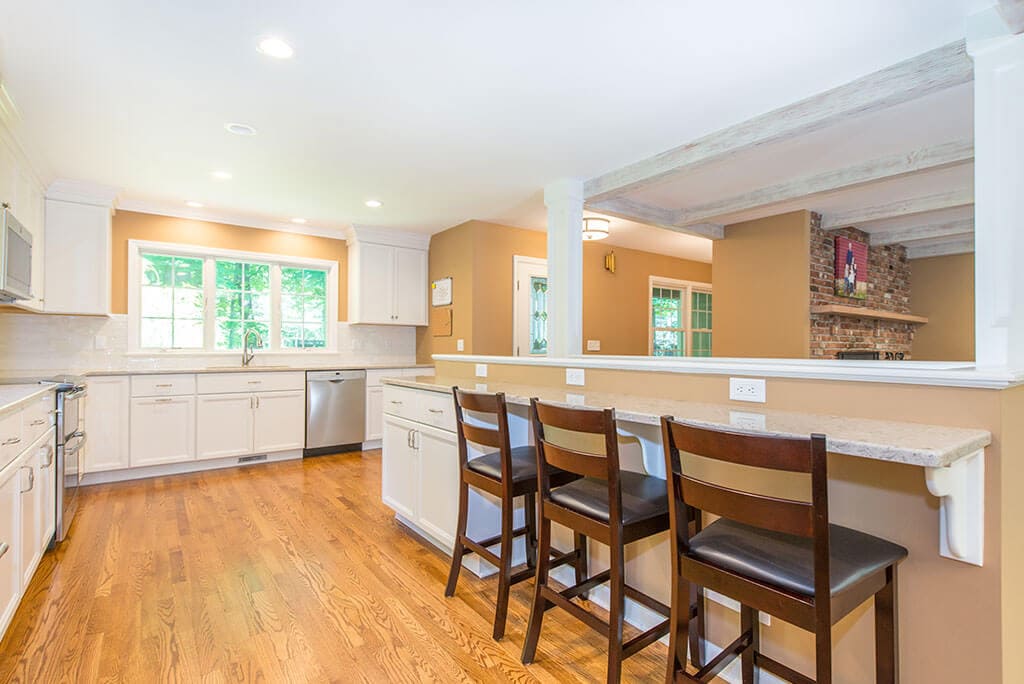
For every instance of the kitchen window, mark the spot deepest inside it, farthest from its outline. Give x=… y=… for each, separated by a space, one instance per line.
x=680 y=318
x=194 y=299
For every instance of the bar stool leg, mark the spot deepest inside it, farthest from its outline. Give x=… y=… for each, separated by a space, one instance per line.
x=530 y=515
x=460 y=535
x=887 y=631
x=580 y=543
x=679 y=627
x=505 y=571
x=823 y=654
x=749 y=622
x=540 y=604
x=616 y=610
x=695 y=632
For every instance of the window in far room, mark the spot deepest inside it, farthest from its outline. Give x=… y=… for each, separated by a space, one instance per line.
x=680 y=318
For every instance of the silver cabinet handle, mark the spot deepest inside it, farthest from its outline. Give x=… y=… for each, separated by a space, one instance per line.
x=11 y=440
x=163 y=401
x=435 y=410
x=255 y=382
x=396 y=402
x=408 y=439
x=31 y=479
x=4 y=548
x=38 y=421
x=252 y=402
x=48 y=455
x=164 y=384
x=257 y=402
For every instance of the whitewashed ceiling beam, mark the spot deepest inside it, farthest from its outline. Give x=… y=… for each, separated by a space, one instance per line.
x=953 y=199
x=934 y=248
x=884 y=168
x=654 y=216
x=933 y=71
x=902 y=236
x=1012 y=12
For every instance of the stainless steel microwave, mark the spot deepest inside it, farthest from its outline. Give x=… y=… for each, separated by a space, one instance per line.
x=15 y=260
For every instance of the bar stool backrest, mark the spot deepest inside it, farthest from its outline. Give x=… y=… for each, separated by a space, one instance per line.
x=496 y=438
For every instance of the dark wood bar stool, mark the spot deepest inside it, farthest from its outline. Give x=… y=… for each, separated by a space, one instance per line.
x=612 y=506
x=506 y=473
x=774 y=554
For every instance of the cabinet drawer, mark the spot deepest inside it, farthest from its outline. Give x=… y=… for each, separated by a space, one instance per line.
x=38 y=417
x=12 y=441
x=401 y=402
x=437 y=409
x=163 y=385
x=227 y=383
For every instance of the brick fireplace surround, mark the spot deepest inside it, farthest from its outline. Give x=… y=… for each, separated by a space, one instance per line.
x=888 y=290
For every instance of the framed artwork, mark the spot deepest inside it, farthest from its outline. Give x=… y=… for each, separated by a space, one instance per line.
x=851 y=275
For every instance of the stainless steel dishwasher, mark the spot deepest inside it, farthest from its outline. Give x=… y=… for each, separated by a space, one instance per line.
x=335 y=411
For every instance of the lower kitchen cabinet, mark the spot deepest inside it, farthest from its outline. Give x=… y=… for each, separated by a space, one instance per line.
x=47 y=483
x=280 y=421
x=10 y=534
x=224 y=424
x=400 y=469
x=439 y=468
x=106 y=417
x=374 y=413
x=163 y=430
x=29 y=492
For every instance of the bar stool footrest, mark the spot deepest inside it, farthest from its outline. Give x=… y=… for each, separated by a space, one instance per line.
x=720 y=661
x=642 y=641
x=779 y=670
x=555 y=598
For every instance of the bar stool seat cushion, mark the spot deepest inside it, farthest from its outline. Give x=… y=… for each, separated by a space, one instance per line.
x=643 y=497
x=787 y=561
x=524 y=464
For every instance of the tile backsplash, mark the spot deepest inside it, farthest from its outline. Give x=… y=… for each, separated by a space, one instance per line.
x=40 y=345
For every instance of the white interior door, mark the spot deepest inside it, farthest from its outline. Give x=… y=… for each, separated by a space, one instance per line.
x=530 y=322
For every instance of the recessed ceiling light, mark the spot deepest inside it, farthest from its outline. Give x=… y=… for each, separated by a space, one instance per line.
x=239 y=129
x=274 y=47
x=194 y=204
x=298 y=220
x=374 y=204
x=221 y=175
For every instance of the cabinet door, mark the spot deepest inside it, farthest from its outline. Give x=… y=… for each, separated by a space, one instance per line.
x=410 y=286
x=10 y=544
x=439 y=481
x=162 y=430
x=30 y=488
x=376 y=283
x=400 y=467
x=47 y=483
x=106 y=415
x=374 y=412
x=77 y=259
x=280 y=421
x=224 y=425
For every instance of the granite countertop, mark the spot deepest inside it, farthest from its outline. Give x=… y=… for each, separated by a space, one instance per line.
x=909 y=443
x=12 y=397
x=253 y=369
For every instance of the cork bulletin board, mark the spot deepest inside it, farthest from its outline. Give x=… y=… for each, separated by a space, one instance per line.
x=441 y=322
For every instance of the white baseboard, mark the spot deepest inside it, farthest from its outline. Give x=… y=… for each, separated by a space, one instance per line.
x=185 y=467
x=372 y=444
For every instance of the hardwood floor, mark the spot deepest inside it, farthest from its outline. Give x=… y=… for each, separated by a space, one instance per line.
x=286 y=572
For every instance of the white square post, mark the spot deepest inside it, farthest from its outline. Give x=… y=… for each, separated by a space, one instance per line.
x=564 y=200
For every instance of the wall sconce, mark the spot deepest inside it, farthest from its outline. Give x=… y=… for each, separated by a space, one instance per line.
x=609 y=261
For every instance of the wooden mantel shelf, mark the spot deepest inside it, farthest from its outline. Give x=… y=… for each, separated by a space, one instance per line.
x=864 y=312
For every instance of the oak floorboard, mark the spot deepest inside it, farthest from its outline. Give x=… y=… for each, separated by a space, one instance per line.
x=282 y=572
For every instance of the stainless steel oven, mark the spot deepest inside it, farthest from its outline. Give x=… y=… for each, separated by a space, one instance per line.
x=71 y=392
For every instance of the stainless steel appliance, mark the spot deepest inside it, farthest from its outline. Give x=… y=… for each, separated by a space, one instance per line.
x=335 y=411
x=15 y=259
x=70 y=440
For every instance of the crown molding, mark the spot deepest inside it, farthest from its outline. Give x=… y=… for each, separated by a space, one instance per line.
x=83 y=192
x=10 y=127
x=388 y=236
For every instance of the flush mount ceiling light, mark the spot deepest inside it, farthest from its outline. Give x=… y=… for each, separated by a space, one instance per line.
x=239 y=129
x=374 y=204
x=193 y=204
x=595 y=228
x=299 y=220
x=273 y=46
x=221 y=175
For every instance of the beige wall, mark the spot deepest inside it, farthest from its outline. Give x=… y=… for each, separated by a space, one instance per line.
x=942 y=288
x=130 y=225
x=479 y=257
x=762 y=289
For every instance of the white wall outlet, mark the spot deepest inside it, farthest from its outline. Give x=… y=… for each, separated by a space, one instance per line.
x=747 y=389
x=460 y=345
x=481 y=370
x=745 y=420
x=481 y=387
x=574 y=376
x=575 y=399
x=593 y=345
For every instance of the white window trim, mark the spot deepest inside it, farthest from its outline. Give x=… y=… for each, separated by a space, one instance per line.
x=673 y=283
x=275 y=261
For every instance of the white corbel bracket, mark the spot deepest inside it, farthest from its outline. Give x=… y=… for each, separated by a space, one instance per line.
x=960 y=487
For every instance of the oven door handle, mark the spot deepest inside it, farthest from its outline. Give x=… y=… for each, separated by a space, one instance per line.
x=75 y=394
x=78 y=445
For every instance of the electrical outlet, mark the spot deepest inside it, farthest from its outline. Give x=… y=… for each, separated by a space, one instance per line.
x=574 y=376
x=460 y=345
x=746 y=420
x=593 y=345
x=481 y=387
x=747 y=389
x=575 y=399
x=481 y=370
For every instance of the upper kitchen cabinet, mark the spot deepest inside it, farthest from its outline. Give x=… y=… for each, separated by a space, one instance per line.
x=387 y=277
x=78 y=249
x=22 y=192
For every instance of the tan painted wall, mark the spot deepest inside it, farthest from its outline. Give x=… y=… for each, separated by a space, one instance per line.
x=889 y=500
x=481 y=254
x=942 y=288
x=761 y=286
x=130 y=225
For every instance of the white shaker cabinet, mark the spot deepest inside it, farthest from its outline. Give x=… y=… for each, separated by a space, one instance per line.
x=106 y=415
x=30 y=491
x=437 y=451
x=224 y=425
x=410 y=286
x=77 y=257
x=387 y=277
x=400 y=470
x=162 y=430
x=47 y=482
x=280 y=421
x=10 y=546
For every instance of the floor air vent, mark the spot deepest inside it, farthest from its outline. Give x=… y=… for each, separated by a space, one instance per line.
x=253 y=459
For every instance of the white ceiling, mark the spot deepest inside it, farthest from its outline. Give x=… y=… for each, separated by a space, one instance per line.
x=444 y=111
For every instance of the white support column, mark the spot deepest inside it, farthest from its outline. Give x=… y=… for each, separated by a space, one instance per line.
x=999 y=202
x=564 y=200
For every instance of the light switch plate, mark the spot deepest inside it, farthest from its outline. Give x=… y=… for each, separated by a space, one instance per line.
x=481 y=370
x=574 y=376
x=747 y=389
x=460 y=345
x=593 y=345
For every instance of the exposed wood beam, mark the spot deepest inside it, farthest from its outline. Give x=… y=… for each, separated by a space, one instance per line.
x=884 y=168
x=909 y=207
x=950 y=229
x=933 y=248
x=654 y=216
x=939 y=69
x=1012 y=12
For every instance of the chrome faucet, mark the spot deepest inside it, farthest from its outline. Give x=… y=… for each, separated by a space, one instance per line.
x=247 y=354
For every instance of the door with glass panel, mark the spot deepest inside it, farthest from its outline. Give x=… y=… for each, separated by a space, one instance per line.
x=530 y=328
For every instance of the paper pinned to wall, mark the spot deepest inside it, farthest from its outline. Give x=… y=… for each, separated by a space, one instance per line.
x=441 y=292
